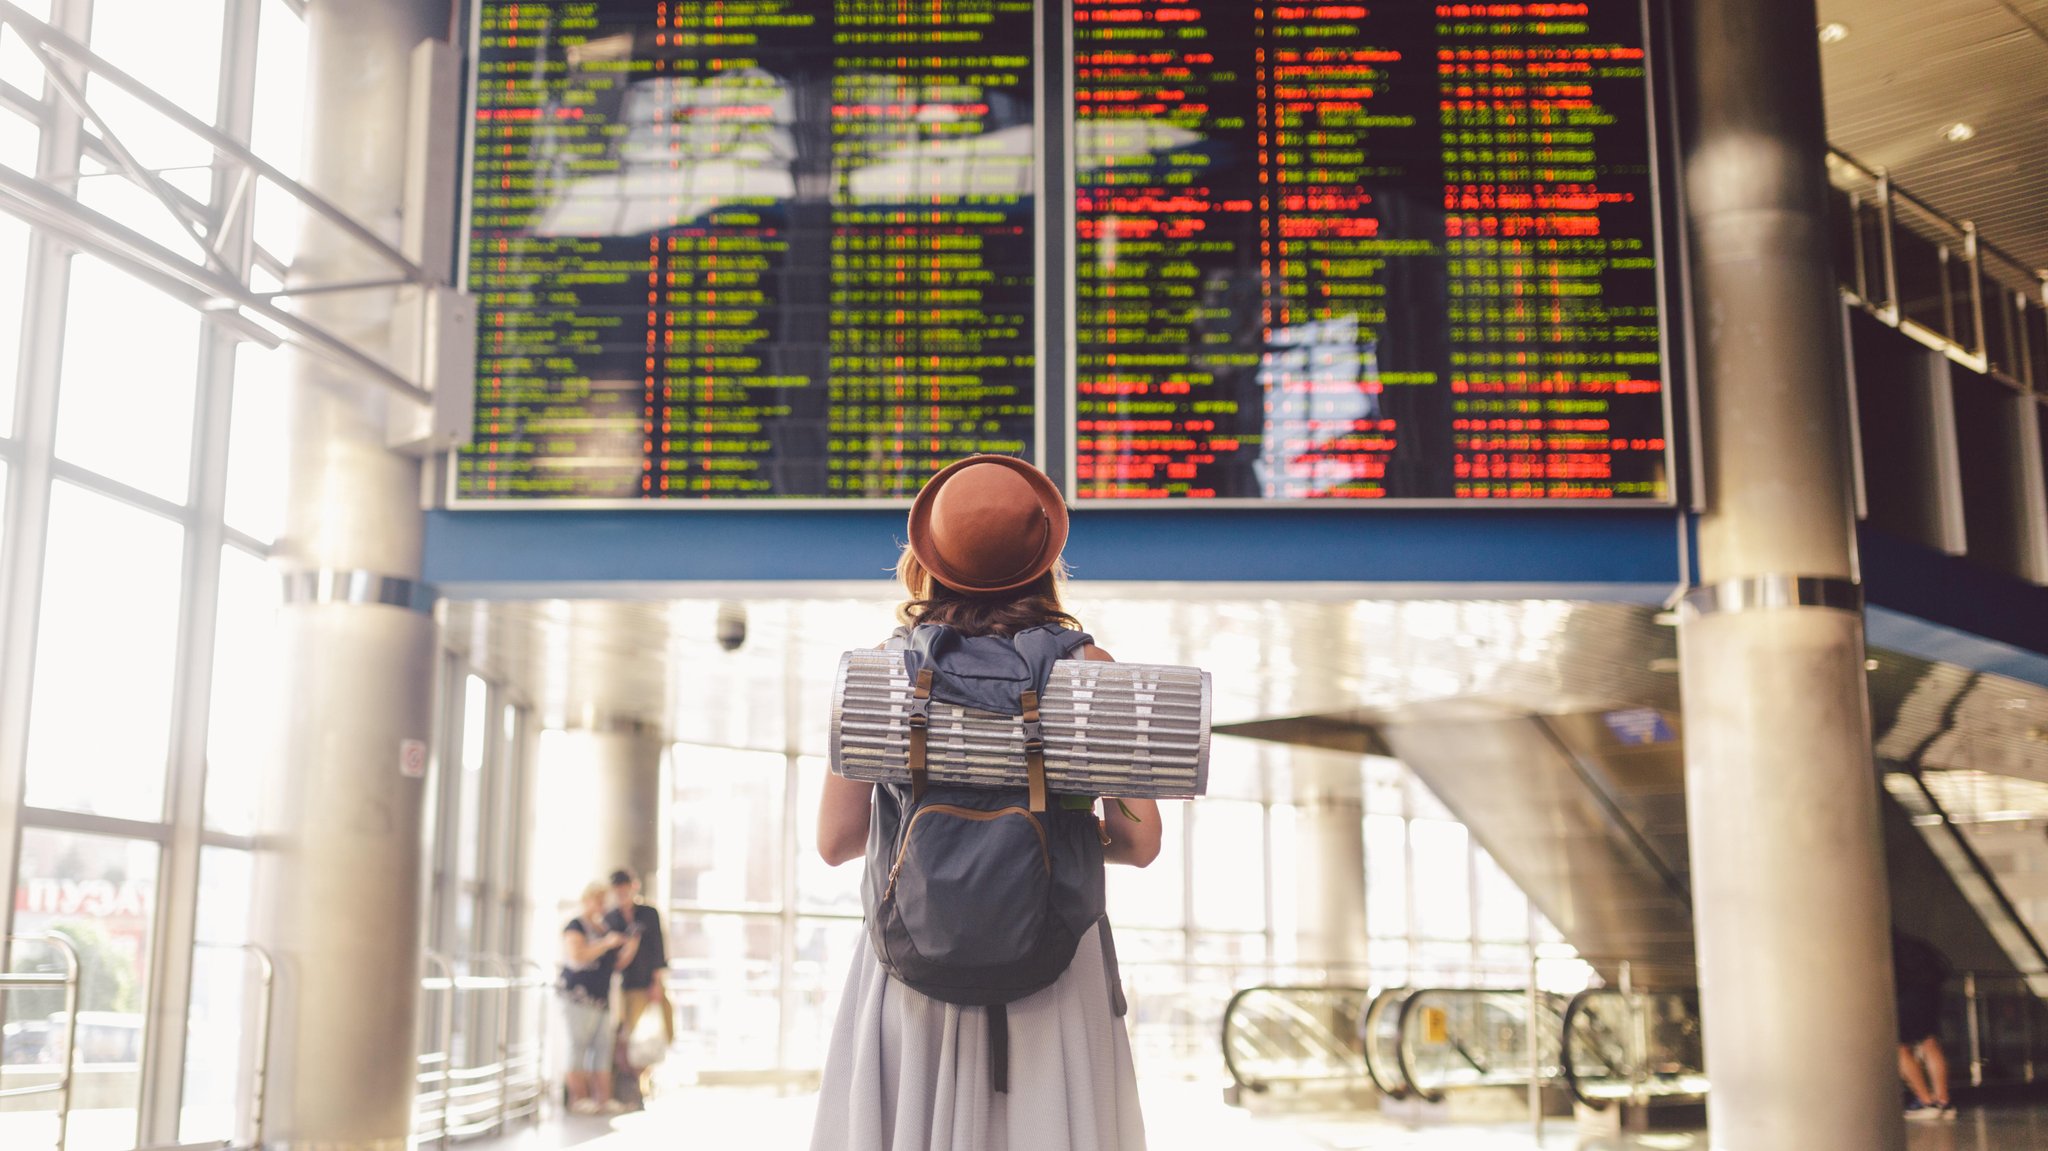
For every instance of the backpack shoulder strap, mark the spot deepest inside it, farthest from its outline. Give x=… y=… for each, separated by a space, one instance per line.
x=920 y=720
x=1034 y=750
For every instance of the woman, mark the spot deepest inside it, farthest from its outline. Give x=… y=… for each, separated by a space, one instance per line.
x=903 y=1073
x=589 y=955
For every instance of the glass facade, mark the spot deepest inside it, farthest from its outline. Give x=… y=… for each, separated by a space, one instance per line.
x=141 y=455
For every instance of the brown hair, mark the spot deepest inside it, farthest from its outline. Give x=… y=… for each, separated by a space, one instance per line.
x=1001 y=613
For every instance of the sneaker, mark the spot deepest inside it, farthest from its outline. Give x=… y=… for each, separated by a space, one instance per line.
x=1917 y=1111
x=1947 y=1109
x=584 y=1107
x=615 y=1107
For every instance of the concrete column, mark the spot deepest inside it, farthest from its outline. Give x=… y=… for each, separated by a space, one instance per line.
x=339 y=881
x=1789 y=888
x=617 y=771
x=1330 y=873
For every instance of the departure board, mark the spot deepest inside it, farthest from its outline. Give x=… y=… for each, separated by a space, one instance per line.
x=761 y=249
x=1394 y=251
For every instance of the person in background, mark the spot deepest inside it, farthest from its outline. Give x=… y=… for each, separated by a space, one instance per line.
x=590 y=953
x=643 y=964
x=1918 y=972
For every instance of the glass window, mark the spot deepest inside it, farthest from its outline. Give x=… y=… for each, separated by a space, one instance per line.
x=19 y=142
x=723 y=976
x=14 y=238
x=504 y=847
x=1386 y=781
x=1503 y=909
x=1443 y=879
x=125 y=408
x=258 y=442
x=1388 y=959
x=1386 y=876
x=563 y=839
x=476 y=724
x=818 y=887
x=18 y=66
x=1151 y=896
x=99 y=893
x=278 y=131
x=106 y=658
x=1229 y=879
x=1286 y=917
x=825 y=951
x=226 y=986
x=727 y=823
x=107 y=190
x=174 y=49
x=242 y=732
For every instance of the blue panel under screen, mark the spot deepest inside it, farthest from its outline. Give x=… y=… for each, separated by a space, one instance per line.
x=1604 y=554
x=1944 y=607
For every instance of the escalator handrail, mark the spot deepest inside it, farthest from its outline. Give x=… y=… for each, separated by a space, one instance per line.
x=1407 y=1010
x=1564 y=1056
x=1373 y=1069
x=1230 y=1008
x=1401 y=1059
x=1565 y=1062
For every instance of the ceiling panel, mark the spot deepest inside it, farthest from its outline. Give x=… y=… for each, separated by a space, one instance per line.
x=1909 y=68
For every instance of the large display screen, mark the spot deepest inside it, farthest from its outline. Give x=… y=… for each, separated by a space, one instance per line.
x=1400 y=252
x=749 y=248
x=1396 y=251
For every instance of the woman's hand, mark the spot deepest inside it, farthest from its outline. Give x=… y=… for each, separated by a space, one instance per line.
x=1133 y=838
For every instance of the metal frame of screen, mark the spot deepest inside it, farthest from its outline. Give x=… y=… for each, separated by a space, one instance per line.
x=1041 y=343
x=1656 y=111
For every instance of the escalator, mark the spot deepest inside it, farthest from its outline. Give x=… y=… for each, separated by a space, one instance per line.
x=1602 y=1045
x=1568 y=768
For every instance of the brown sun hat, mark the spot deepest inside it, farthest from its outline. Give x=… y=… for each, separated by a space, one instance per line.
x=988 y=524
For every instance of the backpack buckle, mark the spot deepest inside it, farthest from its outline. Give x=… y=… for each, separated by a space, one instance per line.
x=921 y=700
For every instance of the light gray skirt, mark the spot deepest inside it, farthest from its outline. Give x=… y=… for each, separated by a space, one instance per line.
x=909 y=1073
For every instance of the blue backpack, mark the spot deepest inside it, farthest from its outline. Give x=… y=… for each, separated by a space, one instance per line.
x=980 y=896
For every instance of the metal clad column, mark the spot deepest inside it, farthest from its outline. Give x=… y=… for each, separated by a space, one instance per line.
x=1330 y=872
x=626 y=770
x=1788 y=874
x=614 y=772
x=339 y=882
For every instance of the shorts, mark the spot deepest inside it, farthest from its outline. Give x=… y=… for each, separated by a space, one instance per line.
x=590 y=1035
x=1919 y=1018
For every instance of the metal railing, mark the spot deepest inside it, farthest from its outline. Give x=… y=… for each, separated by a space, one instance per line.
x=2004 y=1026
x=259 y=1058
x=1937 y=279
x=67 y=980
x=488 y=1065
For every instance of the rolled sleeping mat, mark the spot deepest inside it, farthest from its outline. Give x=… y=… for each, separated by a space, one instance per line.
x=1121 y=729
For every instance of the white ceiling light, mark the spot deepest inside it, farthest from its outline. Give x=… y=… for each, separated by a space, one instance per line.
x=1834 y=32
x=1958 y=132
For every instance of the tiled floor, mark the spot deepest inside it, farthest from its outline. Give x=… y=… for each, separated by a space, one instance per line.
x=1182 y=1117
